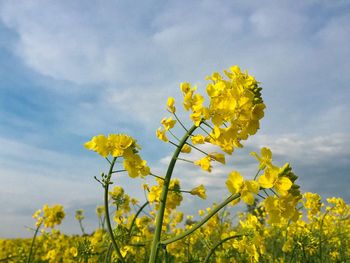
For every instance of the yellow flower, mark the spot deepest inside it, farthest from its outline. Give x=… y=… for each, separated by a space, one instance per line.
x=117 y=192
x=114 y=144
x=79 y=214
x=204 y=163
x=219 y=157
x=185 y=87
x=100 y=211
x=198 y=139
x=200 y=191
x=170 y=104
x=135 y=165
x=99 y=144
x=161 y=135
x=174 y=197
x=265 y=159
x=247 y=189
x=53 y=215
x=271 y=179
x=168 y=123
x=73 y=251
x=119 y=143
x=186 y=149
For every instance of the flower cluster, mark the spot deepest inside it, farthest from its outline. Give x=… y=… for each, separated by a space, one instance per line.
x=232 y=113
x=49 y=216
x=120 y=145
x=174 y=198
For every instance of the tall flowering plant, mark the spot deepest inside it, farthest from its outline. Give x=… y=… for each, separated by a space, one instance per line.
x=225 y=117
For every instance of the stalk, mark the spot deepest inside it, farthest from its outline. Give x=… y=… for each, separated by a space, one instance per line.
x=107 y=218
x=206 y=260
x=136 y=215
x=200 y=223
x=160 y=215
x=33 y=241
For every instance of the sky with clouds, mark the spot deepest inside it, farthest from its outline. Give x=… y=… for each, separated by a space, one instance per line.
x=72 y=69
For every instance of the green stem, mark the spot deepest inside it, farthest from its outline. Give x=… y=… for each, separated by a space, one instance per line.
x=160 y=214
x=320 y=236
x=136 y=215
x=256 y=175
x=156 y=176
x=200 y=223
x=183 y=126
x=173 y=135
x=212 y=250
x=107 y=218
x=33 y=241
x=81 y=227
x=185 y=160
x=194 y=147
x=108 y=253
x=173 y=144
x=207 y=132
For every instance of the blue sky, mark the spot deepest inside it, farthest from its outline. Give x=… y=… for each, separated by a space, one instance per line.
x=73 y=69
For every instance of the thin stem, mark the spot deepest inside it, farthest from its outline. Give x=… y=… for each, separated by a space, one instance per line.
x=207 y=124
x=108 y=253
x=203 y=221
x=162 y=203
x=118 y=171
x=107 y=218
x=206 y=132
x=256 y=175
x=261 y=196
x=183 y=126
x=173 y=135
x=108 y=160
x=181 y=159
x=33 y=241
x=273 y=191
x=267 y=194
x=197 y=148
x=178 y=190
x=212 y=250
x=136 y=215
x=173 y=143
x=320 y=236
x=156 y=176
x=81 y=226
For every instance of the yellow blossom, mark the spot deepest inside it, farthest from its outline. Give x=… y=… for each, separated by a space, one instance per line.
x=204 y=163
x=265 y=159
x=219 y=157
x=168 y=123
x=186 y=148
x=236 y=184
x=170 y=104
x=199 y=191
x=161 y=135
x=198 y=139
x=271 y=179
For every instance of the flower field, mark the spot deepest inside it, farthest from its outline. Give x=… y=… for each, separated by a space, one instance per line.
x=280 y=222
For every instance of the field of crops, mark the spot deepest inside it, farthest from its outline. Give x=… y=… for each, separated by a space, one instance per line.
x=280 y=224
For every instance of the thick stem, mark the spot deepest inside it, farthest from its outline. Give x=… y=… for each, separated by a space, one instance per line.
x=200 y=223
x=160 y=215
x=33 y=241
x=107 y=218
x=212 y=250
